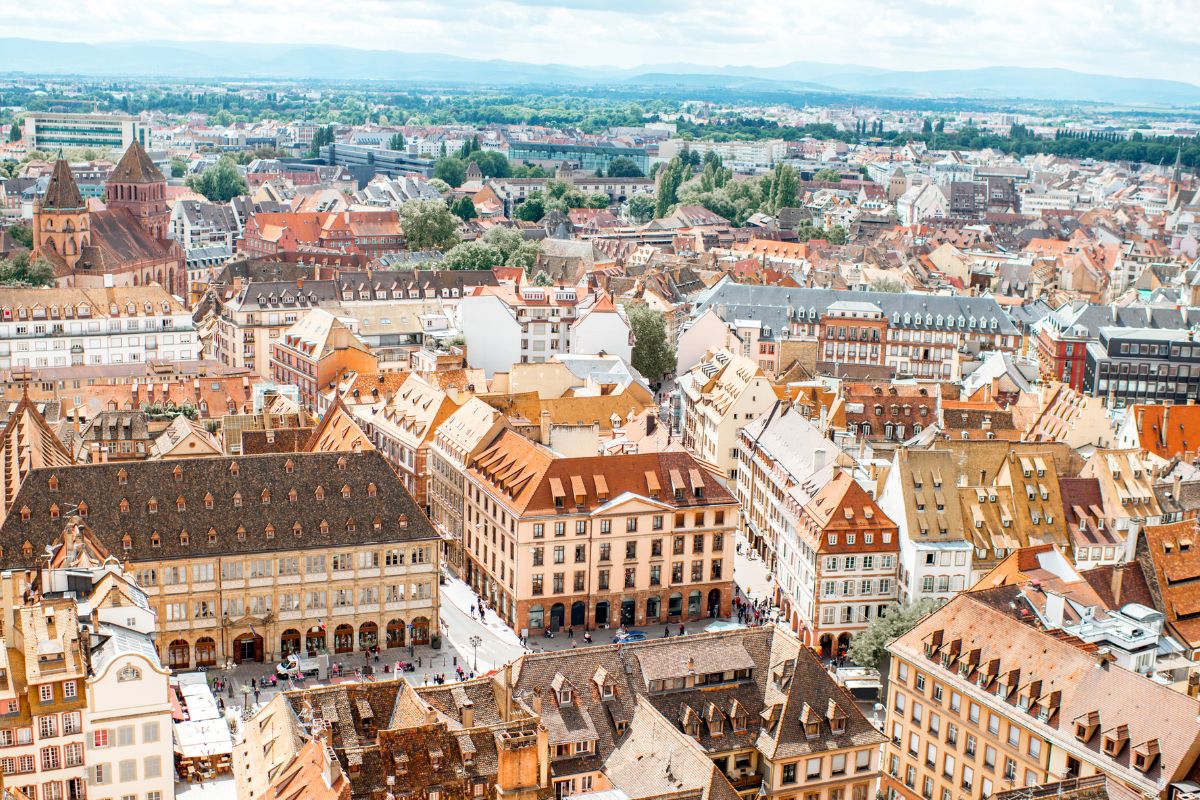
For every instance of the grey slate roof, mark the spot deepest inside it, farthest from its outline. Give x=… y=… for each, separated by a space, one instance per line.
x=773 y=305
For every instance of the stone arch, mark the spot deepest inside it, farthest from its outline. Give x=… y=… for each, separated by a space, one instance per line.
x=179 y=654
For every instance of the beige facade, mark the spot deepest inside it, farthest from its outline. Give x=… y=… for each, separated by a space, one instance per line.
x=596 y=542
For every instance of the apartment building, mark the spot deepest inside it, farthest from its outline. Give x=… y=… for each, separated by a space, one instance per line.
x=718 y=396
x=64 y=327
x=464 y=434
x=921 y=335
x=249 y=558
x=1128 y=500
x=852 y=550
x=755 y=704
x=523 y=324
x=785 y=461
x=980 y=701
x=255 y=314
x=597 y=541
x=314 y=352
x=921 y=496
x=404 y=427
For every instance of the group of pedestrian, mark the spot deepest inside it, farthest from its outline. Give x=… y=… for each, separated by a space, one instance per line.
x=667 y=630
x=751 y=612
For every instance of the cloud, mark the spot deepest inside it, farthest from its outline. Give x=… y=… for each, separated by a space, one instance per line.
x=1143 y=38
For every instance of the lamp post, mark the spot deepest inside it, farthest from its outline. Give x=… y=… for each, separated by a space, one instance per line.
x=475 y=642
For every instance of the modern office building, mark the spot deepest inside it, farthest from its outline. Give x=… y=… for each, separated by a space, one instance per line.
x=51 y=132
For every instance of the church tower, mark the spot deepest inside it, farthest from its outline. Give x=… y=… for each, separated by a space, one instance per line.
x=137 y=185
x=60 y=220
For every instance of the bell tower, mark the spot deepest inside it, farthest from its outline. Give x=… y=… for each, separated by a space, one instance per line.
x=137 y=185
x=60 y=220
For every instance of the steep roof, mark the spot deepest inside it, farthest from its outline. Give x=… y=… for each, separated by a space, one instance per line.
x=62 y=193
x=135 y=166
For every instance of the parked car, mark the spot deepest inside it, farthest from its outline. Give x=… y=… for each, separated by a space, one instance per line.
x=630 y=636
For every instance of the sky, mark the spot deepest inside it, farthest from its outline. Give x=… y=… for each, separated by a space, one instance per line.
x=1133 y=38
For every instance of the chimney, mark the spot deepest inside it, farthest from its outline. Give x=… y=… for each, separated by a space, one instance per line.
x=467 y=713
x=1193 y=684
x=452 y=393
x=1117 y=575
x=819 y=457
x=537 y=700
x=545 y=426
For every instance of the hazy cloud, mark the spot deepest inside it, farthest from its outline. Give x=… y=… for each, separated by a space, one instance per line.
x=1147 y=38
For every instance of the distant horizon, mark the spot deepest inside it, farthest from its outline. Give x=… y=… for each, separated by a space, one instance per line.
x=1134 y=39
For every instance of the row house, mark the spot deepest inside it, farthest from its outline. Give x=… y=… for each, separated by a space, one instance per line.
x=920 y=335
x=315 y=352
x=783 y=461
x=248 y=323
x=462 y=436
x=593 y=542
x=64 y=327
x=852 y=549
x=250 y=558
x=527 y=324
x=717 y=397
x=921 y=495
x=403 y=430
x=368 y=233
x=980 y=701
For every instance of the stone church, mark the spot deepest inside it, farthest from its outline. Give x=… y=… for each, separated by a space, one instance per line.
x=127 y=240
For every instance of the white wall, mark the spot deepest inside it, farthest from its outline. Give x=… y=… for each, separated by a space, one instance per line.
x=492 y=334
x=708 y=330
x=137 y=716
x=603 y=331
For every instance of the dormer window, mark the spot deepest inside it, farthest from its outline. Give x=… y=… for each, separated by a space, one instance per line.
x=233 y=469
x=237 y=499
x=177 y=473
x=122 y=477
x=208 y=501
x=183 y=538
x=53 y=483
x=289 y=466
x=152 y=506
x=54 y=511
x=269 y=531
x=1087 y=725
x=1144 y=755
x=126 y=543
x=1115 y=740
x=564 y=695
x=212 y=535
x=123 y=506
x=345 y=492
x=319 y=493
x=341 y=464
x=155 y=540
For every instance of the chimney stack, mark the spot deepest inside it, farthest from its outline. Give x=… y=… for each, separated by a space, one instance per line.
x=544 y=424
x=1118 y=574
x=1193 y=684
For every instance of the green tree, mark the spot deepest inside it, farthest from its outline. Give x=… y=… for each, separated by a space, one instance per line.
x=396 y=142
x=220 y=182
x=321 y=137
x=653 y=355
x=779 y=188
x=20 y=270
x=533 y=209
x=807 y=231
x=597 y=200
x=836 y=235
x=542 y=279
x=827 y=175
x=528 y=171
x=22 y=235
x=892 y=285
x=624 y=167
x=491 y=163
x=640 y=208
x=464 y=209
x=223 y=118
x=469 y=146
x=472 y=255
x=14 y=133
x=428 y=225
x=870 y=647
x=452 y=170
x=178 y=167
x=515 y=249
x=440 y=185
x=670 y=178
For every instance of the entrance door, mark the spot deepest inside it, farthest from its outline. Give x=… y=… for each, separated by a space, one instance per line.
x=627 y=612
x=601 y=613
x=558 y=615
x=246 y=650
x=578 y=613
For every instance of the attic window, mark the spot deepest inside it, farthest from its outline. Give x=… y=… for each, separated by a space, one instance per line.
x=1115 y=740
x=177 y=473
x=341 y=464
x=319 y=493
x=208 y=501
x=27 y=549
x=377 y=523
x=54 y=511
x=292 y=495
x=53 y=483
x=237 y=499
x=1085 y=726
x=152 y=506
x=324 y=527
x=155 y=540
x=564 y=694
x=122 y=477
x=269 y=531
x=403 y=521
x=350 y=525
x=345 y=492
x=1144 y=755
x=212 y=535
x=123 y=506
x=289 y=466
x=126 y=543
x=372 y=490
x=266 y=497
x=296 y=529
x=183 y=537
x=233 y=468
x=241 y=534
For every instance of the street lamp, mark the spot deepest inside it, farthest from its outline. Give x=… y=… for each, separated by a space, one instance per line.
x=475 y=642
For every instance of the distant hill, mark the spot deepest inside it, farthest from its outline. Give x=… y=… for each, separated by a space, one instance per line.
x=331 y=62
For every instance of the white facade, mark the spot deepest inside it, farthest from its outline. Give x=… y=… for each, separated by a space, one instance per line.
x=701 y=335
x=601 y=331
x=128 y=727
x=492 y=333
x=74 y=327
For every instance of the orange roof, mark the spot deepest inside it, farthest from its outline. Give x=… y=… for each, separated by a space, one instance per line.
x=1168 y=431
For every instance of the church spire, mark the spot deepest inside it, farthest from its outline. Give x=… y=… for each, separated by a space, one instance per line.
x=62 y=193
